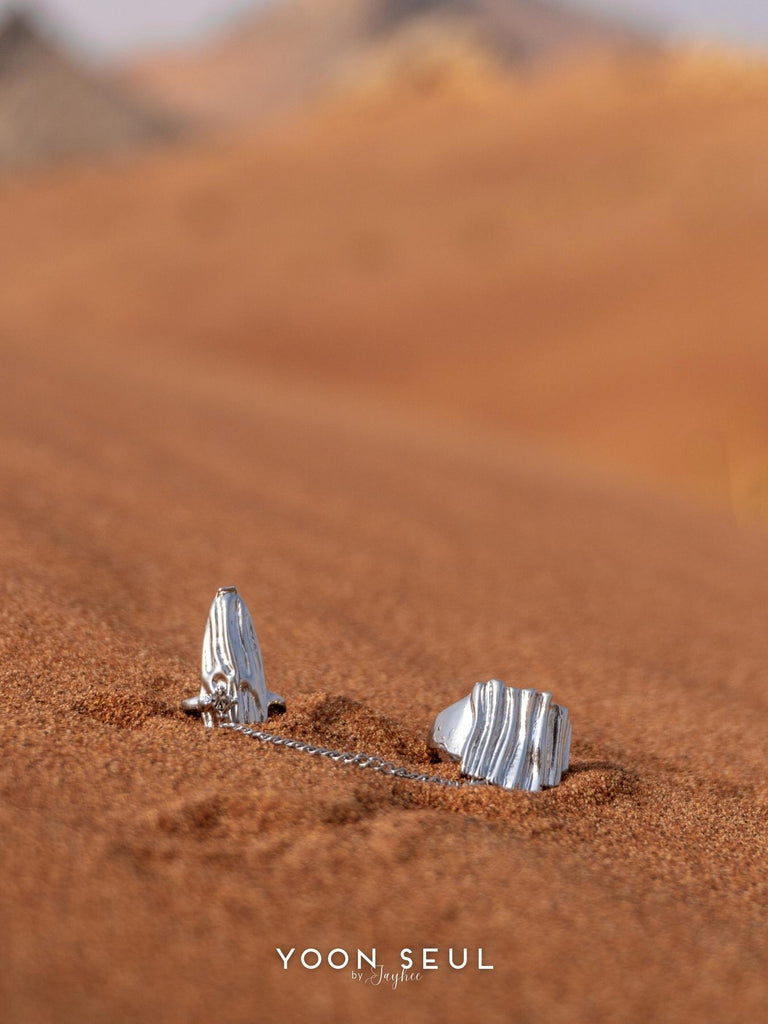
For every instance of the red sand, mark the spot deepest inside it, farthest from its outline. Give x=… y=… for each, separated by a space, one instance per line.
x=205 y=385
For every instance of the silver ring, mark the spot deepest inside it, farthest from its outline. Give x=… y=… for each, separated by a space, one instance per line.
x=518 y=739
x=233 y=689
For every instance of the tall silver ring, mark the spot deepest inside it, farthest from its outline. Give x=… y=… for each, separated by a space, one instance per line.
x=233 y=690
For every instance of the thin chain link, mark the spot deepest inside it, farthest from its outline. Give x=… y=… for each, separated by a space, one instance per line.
x=359 y=760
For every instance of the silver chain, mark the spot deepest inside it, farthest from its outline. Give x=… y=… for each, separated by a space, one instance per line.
x=359 y=760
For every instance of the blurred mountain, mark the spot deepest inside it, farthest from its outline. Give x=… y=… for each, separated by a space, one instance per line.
x=52 y=109
x=298 y=48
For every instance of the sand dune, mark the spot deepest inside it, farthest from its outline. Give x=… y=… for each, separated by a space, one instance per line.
x=288 y=53
x=578 y=260
x=363 y=371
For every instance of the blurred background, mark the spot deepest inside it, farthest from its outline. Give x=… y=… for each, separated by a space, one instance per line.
x=438 y=327
x=543 y=220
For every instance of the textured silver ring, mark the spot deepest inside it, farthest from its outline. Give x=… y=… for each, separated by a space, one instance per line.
x=518 y=739
x=233 y=690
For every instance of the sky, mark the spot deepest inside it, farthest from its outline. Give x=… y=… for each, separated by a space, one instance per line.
x=114 y=28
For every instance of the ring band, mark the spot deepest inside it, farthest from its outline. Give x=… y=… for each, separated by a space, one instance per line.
x=518 y=739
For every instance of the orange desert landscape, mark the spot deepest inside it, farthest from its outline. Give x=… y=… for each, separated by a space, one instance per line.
x=456 y=365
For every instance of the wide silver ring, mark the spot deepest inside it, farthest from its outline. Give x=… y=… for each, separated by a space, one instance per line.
x=518 y=739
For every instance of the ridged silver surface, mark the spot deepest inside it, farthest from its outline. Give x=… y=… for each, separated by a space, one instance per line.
x=518 y=739
x=233 y=687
